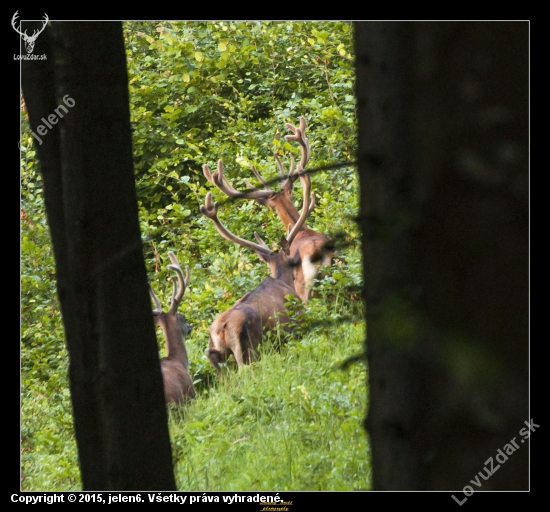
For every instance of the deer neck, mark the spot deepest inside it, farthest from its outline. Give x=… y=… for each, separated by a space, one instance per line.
x=175 y=346
x=284 y=271
x=286 y=211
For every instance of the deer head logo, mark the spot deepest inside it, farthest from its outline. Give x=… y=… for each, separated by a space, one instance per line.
x=29 y=40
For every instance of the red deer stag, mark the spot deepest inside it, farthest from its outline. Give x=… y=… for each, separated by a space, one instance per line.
x=178 y=385
x=310 y=249
x=240 y=329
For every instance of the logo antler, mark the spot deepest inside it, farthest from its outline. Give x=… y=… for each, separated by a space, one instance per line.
x=29 y=40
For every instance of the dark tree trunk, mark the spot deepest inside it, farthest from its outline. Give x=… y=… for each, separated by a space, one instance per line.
x=120 y=416
x=443 y=165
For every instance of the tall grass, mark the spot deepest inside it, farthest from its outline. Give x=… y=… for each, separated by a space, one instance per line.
x=290 y=421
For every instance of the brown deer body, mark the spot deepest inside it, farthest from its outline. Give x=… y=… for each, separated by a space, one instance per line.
x=310 y=249
x=240 y=329
x=178 y=385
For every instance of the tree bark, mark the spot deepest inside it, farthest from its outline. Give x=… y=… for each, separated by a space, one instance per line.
x=443 y=166
x=120 y=416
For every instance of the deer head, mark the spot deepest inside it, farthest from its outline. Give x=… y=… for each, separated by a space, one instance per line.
x=311 y=248
x=275 y=260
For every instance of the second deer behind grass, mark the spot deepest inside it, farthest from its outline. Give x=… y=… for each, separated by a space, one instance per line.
x=178 y=384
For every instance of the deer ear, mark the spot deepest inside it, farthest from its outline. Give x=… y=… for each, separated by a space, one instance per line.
x=264 y=255
x=285 y=246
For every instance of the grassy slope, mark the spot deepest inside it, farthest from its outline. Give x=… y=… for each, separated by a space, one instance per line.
x=291 y=421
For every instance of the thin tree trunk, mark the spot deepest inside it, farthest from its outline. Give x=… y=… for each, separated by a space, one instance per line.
x=120 y=416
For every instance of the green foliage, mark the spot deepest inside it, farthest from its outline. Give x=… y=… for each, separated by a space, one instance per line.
x=48 y=448
x=224 y=90
x=199 y=92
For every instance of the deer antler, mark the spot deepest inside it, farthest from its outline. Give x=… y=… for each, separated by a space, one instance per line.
x=181 y=284
x=306 y=186
x=158 y=306
x=312 y=202
x=218 y=178
x=300 y=137
x=303 y=141
x=36 y=32
x=14 y=27
x=210 y=210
